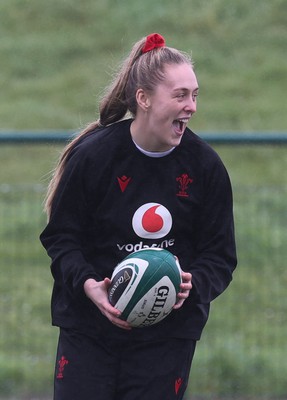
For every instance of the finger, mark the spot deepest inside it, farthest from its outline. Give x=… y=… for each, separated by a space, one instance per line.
x=112 y=310
x=183 y=295
x=113 y=314
x=186 y=277
x=120 y=323
x=178 y=304
x=185 y=288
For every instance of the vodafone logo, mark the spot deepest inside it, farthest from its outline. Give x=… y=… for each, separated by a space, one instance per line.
x=152 y=221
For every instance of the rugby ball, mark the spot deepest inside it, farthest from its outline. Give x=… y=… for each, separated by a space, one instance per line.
x=144 y=286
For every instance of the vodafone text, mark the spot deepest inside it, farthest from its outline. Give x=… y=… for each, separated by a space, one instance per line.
x=139 y=246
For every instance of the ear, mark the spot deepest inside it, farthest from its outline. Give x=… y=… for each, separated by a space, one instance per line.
x=143 y=99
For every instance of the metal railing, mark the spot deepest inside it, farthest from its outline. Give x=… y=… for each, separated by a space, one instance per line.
x=228 y=137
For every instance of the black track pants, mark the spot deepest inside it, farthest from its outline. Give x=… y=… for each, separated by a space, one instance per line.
x=93 y=369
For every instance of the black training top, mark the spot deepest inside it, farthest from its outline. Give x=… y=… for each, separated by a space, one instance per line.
x=113 y=199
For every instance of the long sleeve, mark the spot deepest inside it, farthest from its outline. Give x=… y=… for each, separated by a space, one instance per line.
x=216 y=254
x=65 y=235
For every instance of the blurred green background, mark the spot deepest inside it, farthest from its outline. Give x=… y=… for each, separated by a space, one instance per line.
x=56 y=57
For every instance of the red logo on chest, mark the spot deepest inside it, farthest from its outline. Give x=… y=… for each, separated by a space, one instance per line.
x=183 y=180
x=123 y=182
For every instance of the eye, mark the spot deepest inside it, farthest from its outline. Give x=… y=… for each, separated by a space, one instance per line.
x=181 y=96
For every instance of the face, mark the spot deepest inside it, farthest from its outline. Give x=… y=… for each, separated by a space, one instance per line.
x=169 y=108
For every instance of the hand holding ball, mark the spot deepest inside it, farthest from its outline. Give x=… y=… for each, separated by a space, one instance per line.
x=144 y=286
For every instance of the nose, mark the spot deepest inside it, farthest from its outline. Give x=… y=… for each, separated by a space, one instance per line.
x=190 y=104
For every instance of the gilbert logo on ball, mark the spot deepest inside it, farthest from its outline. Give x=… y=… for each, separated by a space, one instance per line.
x=144 y=286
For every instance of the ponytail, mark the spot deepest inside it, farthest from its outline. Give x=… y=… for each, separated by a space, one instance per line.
x=58 y=172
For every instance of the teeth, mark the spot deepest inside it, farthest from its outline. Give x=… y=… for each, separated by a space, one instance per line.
x=184 y=120
x=180 y=123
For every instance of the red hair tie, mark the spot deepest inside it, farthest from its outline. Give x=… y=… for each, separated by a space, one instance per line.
x=153 y=41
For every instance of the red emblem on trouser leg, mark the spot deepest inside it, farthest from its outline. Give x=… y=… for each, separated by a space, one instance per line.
x=62 y=363
x=178 y=384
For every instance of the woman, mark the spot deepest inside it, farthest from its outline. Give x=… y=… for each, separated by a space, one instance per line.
x=109 y=177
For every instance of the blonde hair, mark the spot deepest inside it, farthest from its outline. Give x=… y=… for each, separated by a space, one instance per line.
x=139 y=70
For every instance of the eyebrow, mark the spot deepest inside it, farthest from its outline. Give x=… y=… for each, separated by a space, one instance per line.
x=185 y=89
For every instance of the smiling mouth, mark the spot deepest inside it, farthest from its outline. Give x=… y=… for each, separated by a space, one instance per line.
x=180 y=125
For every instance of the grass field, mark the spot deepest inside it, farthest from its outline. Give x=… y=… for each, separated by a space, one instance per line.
x=56 y=58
